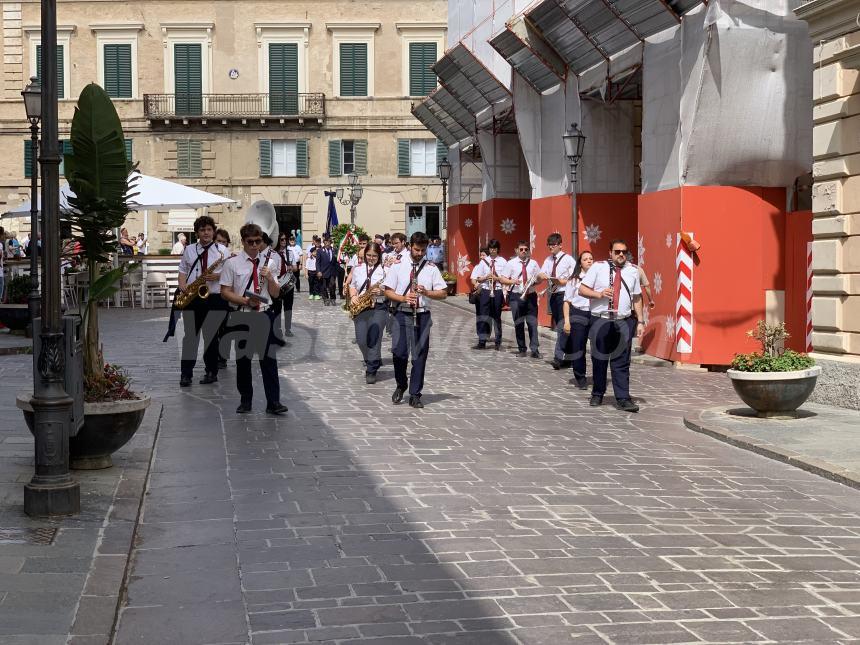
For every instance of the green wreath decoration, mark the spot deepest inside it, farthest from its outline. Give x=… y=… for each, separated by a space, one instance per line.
x=338 y=233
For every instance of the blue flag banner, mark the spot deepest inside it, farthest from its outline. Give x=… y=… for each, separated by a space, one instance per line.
x=331 y=218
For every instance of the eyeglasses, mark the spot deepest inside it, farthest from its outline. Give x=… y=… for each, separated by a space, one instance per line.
x=522 y=249
x=253 y=241
x=619 y=251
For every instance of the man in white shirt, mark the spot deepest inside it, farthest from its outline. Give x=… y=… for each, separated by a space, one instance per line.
x=400 y=250
x=197 y=259
x=524 y=306
x=558 y=269
x=410 y=285
x=244 y=279
x=354 y=261
x=616 y=307
x=486 y=274
x=179 y=246
x=296 y=259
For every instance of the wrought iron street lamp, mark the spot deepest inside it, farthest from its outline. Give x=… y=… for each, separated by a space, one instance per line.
x=356 y=190
x=51 y=491
x=444 y=171
x=574 y=144
x=33 y=106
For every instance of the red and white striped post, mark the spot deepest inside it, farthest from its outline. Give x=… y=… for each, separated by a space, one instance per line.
x=684 y=301
x=809 y=296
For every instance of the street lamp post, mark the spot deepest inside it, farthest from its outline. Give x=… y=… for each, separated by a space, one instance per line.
x=33 y=106
x=444 y=172
x=574 y=144
x=356 y=190
x=51 y=491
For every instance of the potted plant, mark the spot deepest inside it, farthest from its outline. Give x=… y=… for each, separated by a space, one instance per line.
x=774 y=382
x=98 y=174
x=450 y=280
x=15 y=314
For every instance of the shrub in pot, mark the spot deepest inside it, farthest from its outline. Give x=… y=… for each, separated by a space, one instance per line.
x=773 y=382
x=15 y=314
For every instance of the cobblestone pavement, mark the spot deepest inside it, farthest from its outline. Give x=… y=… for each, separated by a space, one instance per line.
x=505 y=512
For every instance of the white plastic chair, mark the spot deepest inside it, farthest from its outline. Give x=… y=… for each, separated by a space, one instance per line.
x=130 y=288
x=156 y=287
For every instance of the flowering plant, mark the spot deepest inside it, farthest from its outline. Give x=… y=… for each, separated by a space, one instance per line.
x=771 y=358
x=111 y=385
x=449 y=277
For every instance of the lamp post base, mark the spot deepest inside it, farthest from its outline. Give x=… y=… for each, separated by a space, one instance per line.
x=44 y=499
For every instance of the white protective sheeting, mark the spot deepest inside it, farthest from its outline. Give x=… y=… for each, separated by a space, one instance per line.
x=736 y=79
x=466 y=181
x=541 y=124
x=504 y=172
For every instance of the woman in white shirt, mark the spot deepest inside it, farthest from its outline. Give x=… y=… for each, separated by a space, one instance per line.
x=368 y=276
x=577 y=317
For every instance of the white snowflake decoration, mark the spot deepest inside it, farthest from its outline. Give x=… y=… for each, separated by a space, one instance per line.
x=468 y=222
x=658 y=282
x=508 y=226
x=592 y=233
x=670 y=327
x=532 y=238
x=668 y=240
x=464 y=265
x=640 y=251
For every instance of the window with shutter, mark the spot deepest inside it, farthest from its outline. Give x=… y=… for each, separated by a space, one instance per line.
x=188 y=158
x=265 y=157
x=61 y=72
x=334 y=158
x=353 y=69
x=28 y=159
x=302 y=158
x=66 y=150
x=128 y=151
x=188 y=78
x=423 y=157
x=284 y=159
x=360 y=149
x=117 y=70
x=441 y=152
x=422 y=80
x=348 y=157
x=283 y=78
x=403 y=165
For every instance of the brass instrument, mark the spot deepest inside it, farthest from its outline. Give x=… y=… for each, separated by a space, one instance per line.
x=528 y=285
x=363 y=302
x=198 y=288
x=260 y=294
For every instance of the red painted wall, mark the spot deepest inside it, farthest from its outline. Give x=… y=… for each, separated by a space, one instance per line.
x=506 y=220
x=798 y=233
x=742 y=233
x=462 y=243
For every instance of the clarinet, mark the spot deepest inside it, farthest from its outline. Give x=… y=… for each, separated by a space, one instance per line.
x=413 y=287
x=611 y=295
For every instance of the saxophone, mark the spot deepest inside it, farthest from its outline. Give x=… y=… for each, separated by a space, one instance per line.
x=198 y=288
x=363 y=302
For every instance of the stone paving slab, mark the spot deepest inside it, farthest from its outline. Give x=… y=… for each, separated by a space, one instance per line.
x=822 y=439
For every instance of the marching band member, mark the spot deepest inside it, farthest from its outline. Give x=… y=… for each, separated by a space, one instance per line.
x=400 y=252
x=284 y=303
x=524 y=307
x=486 y=274
x=249 y=273
x=577 y=317
x=369 y=324
x=557 y=268
x=354 y=261
x=311 y=270
x=410 y=284
x=195 y=261
x=615 y=294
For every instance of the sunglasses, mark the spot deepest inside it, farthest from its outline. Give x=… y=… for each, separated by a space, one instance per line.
x=522 y=249
x=619 y=252
x=254 y=240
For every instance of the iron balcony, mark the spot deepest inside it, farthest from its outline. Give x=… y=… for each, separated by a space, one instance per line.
x=285 y=106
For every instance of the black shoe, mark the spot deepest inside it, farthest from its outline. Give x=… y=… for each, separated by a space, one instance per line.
x=397 y=397
x=415 y=402
x=185 y=381
x=522 y=353
x=536 y=354
x=626 y=405
x=497 y=347
x=209 y=377
x=556 y=364
x=277 y=409
x=480 y=346
x=581 y=383
x=369 y=378
x=243 y=408
x=222 y=364
x=596 y=400
x=288 y=333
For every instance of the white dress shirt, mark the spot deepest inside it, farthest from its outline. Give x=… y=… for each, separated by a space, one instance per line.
x=597 y=278
x=496 y=266
x=571 y=294
x=399 y=278
x=189 y=257
x=237 y=271
x=359 y=277
x=295 y=253
x=514 y=271
x=563 y=268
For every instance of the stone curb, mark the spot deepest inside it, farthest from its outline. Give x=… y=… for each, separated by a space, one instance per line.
x=460 y=302
x=697 y=423
x=96 y=615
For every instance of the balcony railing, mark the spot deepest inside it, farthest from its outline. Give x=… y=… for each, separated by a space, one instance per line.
x=285 y=105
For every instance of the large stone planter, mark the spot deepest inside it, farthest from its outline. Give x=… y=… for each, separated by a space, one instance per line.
x=107 y=428
x=775 y=394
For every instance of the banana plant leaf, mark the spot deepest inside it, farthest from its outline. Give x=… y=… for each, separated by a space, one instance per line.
x=107 y=285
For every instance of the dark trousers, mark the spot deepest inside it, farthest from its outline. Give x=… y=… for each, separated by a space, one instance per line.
x=328 y=287
x=407 y=338
x=524 y=311
x=610 y=346
x=563 y=342
x=490 y=315
x=369 y=326
x=283 y=309
x=341 y=274
x=255 y=339
x=313 y=284
x=204 y=317
x=298 y=277
x=580 y=324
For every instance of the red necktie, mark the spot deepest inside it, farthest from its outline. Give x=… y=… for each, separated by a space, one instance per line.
x=555 y=262
x=255 y=280
x=283 y=265
x=616 y=288
x=204 y=260
x=525 y=274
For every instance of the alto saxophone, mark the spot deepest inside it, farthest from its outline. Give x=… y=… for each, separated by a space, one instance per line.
x=198 y=288
x=363 y=302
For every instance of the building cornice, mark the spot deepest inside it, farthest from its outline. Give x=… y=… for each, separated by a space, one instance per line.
x=61 y=29
x=282 y=25
x=829 y=18
x=424 y=26
x=117 y=26
x=195 y=26
x=353 y=26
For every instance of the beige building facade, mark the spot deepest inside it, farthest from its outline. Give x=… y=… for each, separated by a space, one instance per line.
x=834 y=27
x=253 y=100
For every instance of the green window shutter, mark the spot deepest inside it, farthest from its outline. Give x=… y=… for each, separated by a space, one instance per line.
x=335 y=151
x=188 y=78
x=67 y=151
x=182 y=158
x=422 y=80
x=353 y=69
x=302 y=158
x=128 y=151
x=265 y=157
x=61 y=73
x=360 y=156
x=403 y=161
x=117 y=70
x=284 y=78
x=441 y=151
x=28 y=159
x=195 y=160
